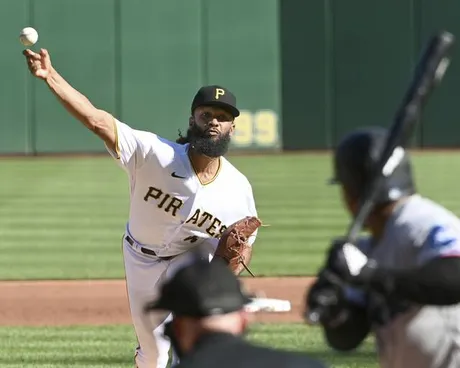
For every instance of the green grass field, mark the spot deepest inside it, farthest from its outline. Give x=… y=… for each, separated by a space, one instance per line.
x=111 y=346
x=63 y=219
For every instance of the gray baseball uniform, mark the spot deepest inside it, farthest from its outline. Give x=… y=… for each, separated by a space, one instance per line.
x=417 y=336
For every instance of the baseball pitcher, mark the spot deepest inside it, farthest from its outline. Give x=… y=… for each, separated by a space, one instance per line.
x=182 y=194
x=403 y=281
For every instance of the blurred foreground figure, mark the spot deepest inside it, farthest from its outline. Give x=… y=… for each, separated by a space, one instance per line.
x=209 y=322
x=407 y=288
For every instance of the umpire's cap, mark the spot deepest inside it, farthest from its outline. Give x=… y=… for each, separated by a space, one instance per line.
x=201 y=289
x=355 y=160
x=216 y=96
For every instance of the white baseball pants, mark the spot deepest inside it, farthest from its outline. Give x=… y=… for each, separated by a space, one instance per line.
x=144 y=277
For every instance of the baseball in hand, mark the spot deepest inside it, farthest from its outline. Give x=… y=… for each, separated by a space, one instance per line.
x=28 y=36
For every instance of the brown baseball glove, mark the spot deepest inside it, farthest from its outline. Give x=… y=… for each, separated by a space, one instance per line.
x=233 y=244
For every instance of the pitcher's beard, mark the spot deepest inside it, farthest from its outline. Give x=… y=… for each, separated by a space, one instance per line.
x=204 y=144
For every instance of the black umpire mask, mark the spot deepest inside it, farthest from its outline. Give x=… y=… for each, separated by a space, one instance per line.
x=205 y=144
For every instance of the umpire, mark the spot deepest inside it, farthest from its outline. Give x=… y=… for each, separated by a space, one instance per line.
x=407 y=289
x=209 y=321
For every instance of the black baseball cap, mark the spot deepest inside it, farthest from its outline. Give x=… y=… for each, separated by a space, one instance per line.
x=201 y=289
x=216 y=96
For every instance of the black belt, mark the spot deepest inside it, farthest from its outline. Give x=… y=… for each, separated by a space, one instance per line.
x=146 y=250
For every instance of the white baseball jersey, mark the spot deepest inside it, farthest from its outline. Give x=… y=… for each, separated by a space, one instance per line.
x=417 y=336
x=171 y=211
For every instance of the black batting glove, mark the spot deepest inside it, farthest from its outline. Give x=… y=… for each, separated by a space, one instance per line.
x=356 y=269
x=349 y=263
x=326 y=295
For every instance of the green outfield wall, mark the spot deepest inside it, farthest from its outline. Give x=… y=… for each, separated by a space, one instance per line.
x=346 y=64
x=304 y=72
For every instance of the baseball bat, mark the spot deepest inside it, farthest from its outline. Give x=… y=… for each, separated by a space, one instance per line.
x=428 y=73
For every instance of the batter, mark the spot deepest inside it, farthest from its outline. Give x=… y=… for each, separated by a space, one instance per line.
x=408 y=291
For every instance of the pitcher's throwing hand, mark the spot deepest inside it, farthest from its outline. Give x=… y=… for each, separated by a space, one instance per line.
x=39 y=64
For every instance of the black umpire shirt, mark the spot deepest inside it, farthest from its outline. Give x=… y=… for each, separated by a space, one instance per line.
x=225 y=350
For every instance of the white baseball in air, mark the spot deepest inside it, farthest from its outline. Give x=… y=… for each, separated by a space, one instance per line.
x=28 y=36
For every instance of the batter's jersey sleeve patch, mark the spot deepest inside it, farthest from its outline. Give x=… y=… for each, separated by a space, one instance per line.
x=441 y=241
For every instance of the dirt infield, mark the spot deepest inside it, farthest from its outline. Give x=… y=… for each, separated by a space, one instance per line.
x=54 y=303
